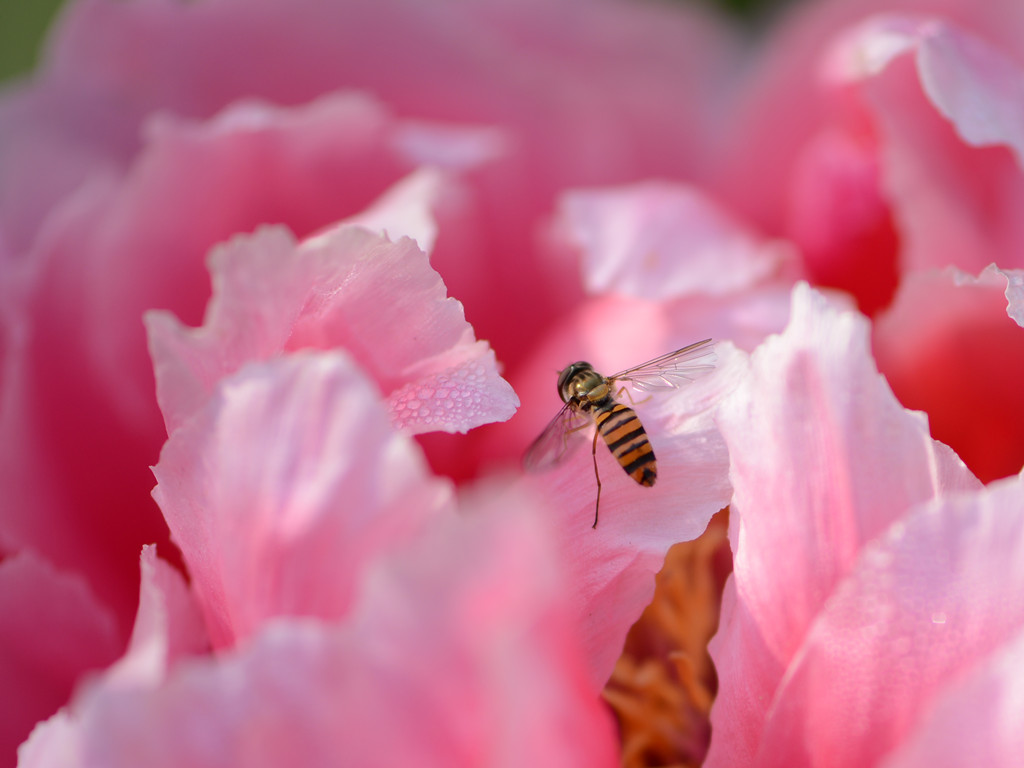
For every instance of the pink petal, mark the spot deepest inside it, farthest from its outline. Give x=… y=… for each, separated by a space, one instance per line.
x=284 y=487
x=405 y=209
x=457 y=653
x=865 y=49
x=974 y=721
x=54 y=743
x=658 y=240
x=168 y=625
x=975 y=86
x=948 y=105
x=814 y=402
x=346 y=288
x=53 y=631
x=449 y=146
x=947 y=347
x=1014 y=294
x=924 y=605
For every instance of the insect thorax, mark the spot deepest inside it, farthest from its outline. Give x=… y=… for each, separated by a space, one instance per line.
x=581 y=386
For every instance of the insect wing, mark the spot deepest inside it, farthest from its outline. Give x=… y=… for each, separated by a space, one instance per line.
x=559 y=439
x=671 y=370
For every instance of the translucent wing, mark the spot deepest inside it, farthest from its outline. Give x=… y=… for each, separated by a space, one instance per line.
x=673 y=369
x=560 y=438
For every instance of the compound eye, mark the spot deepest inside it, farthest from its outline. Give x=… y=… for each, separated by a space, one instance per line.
x=563 y=381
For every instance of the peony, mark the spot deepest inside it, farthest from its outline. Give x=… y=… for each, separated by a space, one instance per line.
x=285 y=288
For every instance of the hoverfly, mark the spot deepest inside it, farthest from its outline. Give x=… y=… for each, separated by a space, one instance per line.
x=591 y=397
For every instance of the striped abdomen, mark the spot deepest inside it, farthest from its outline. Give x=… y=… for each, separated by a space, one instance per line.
x=626 y=439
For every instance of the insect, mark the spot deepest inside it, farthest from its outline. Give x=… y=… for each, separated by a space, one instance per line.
x=590 y=397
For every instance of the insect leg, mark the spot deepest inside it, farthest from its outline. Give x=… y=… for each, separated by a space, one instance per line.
x=597 y=474
x=623 y=391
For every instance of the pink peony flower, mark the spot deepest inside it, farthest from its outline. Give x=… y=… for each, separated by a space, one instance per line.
x=119 y=177
x=308 y=259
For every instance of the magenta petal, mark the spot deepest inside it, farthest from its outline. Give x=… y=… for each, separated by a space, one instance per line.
x=53 y=631
x=840 y=218
x=348 y=288
x=284 y=486
x=823 y=459
x=925 y=604
x=658 y=240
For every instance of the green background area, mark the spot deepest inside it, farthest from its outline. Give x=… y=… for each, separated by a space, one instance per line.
x=23 y=24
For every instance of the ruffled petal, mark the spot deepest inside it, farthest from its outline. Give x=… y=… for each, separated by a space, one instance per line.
x=663 y=241
x=973 y=721
x=1014 y=294
x=168 y=626
x=948 y=107
x=284 y=487
x=925 y=605
x=979 y=90
x=822 y=459
x=458 y=652
x=345 y=288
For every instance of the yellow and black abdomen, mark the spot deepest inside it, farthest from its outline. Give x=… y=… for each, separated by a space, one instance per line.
x=626 y=439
